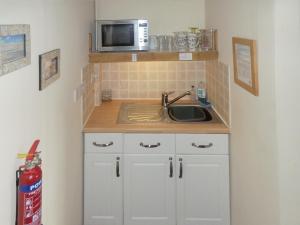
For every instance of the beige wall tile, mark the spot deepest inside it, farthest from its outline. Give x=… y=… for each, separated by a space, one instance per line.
x=115 y=84
x=133 y=85
x=142 y=94
x=153 y=75
x=124 y=85
x=124 y=94
x=115 y=93
x=123 y=75
x=172 y=66
x=133 y=76
x=133 y=94
x=142 y=86
x=153 y=85
x=115 y=67
x=133 y=67
x=123 y=67
x=171 y=85
x=162 y=75
x=162 y=85
x=115 y=76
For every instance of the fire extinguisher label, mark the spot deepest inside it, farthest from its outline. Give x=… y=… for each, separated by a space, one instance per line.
x=30 y=188
x=32 y=204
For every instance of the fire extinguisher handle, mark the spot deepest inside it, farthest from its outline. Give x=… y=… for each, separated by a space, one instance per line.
x=32 y=150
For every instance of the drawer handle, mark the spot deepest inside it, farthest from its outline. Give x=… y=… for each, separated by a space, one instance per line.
x=103 y=145
x=202 y=146
x=149 y=146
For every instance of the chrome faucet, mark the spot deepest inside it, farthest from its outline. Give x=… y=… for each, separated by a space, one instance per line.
x=165 y=98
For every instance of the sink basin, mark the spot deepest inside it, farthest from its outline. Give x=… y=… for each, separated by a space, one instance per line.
x=140 y=113
x=188 y=113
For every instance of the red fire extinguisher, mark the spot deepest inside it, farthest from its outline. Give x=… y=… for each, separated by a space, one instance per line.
x=29 y=189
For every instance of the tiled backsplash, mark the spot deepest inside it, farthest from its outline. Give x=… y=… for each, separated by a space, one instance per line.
x=150 y=79
x=91 y=82
x=217 y=79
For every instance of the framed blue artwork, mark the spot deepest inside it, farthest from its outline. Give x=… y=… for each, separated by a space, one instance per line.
x=14 y=47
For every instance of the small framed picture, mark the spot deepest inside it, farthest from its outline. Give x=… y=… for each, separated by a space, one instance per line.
x=49 y=68
x=14 y=47
x=245 y=64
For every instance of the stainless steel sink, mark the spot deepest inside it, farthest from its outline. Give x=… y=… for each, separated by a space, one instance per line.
x=131 y=113
x=188 y=113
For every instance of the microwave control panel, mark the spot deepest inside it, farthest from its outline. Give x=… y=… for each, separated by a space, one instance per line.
x=143 y=32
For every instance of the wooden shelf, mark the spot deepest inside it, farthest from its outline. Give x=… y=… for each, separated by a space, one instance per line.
x=108 y=57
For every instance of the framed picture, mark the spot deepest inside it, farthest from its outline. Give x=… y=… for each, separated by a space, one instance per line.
x=245 y=64
x=49 y=68
x=14 y=47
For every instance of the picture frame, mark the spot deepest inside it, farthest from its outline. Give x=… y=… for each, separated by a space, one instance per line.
x=245 y=64
x=49 y=68
x=15 y=47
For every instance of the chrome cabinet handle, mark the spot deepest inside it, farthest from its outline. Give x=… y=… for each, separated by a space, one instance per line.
x=103 y=145
x=202 y=146
x=149 y=146
x=118 y=167
x=180 y=168
x=171 y=167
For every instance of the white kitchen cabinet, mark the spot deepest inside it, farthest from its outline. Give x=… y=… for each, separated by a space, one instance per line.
x=164 y=179
x=202 y=190
x=103 y=188
x=149 y=190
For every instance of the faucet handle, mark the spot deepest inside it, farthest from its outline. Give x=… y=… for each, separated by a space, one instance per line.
x=167 y=93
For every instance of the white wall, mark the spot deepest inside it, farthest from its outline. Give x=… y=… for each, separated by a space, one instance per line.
x=254 y=152
x=287 y=33
x=165 y=16
x=51 y=115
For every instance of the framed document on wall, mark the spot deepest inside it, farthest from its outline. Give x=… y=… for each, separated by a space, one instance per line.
x=245 y=64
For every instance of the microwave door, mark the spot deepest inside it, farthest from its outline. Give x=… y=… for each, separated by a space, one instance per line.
x=120 y=37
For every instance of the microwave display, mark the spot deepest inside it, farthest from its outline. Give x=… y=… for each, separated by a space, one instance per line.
x=117 y=35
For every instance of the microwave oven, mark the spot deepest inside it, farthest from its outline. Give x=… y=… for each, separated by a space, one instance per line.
x=122 y=35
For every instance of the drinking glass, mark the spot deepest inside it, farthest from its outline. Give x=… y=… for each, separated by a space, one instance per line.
x=162 y=42
x=181 y=41
x=153 y=42
x=170 y=43
x=193 y=41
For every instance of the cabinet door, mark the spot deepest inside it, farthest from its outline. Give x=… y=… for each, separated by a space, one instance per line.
x=149 y=190
x=202 y=190
x=103 y=203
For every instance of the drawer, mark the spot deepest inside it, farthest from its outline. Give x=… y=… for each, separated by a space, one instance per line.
x=103 y=143
x=149 y=143
x=203 y=144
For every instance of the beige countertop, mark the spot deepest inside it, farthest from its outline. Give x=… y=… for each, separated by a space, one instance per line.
x=104 y=120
